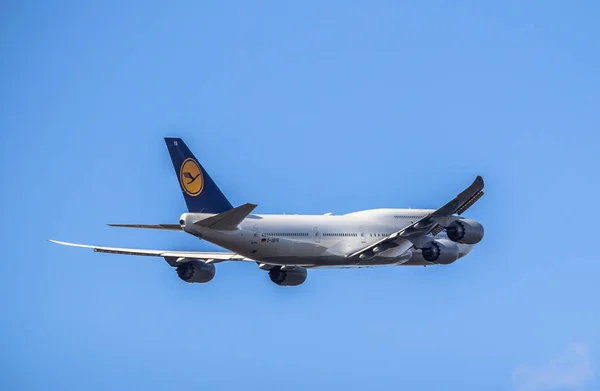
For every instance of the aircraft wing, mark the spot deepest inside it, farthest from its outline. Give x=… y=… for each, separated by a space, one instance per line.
x=433 y=223
x=170 y=256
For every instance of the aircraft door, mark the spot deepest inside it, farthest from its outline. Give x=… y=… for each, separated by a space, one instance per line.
x=363 y=238
x=255 y=235
x=317 y=234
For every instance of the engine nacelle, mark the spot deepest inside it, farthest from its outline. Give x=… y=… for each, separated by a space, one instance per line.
x=288 y=277
x=465 y=231
x=441 y=251
x=196 y=271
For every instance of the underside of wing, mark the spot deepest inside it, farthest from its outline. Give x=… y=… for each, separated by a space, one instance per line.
x=172 y=257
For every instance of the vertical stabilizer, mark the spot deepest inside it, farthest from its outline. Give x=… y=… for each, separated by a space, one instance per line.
x=200 y=192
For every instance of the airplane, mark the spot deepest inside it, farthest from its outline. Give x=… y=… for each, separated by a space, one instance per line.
x=288 y=245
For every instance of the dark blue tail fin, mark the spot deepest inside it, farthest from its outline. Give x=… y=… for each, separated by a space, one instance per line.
x=201 y=194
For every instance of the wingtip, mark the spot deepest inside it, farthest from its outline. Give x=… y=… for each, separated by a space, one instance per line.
x=65 y=243
x=479 y=181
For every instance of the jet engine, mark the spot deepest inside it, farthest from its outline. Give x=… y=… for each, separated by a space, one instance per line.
x=441 y=251
x=283 y=277
x=196 y=271
x=465 y=231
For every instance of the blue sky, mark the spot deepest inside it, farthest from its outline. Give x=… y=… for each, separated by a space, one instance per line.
x=300 y=107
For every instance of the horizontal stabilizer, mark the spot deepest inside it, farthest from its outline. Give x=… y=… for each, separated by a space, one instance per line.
x=164 y=227
x=229 y=220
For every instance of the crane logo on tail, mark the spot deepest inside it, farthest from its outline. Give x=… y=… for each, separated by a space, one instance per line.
x=190 y=176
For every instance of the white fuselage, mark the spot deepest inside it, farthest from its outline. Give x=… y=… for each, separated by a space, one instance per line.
x=317 y=240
